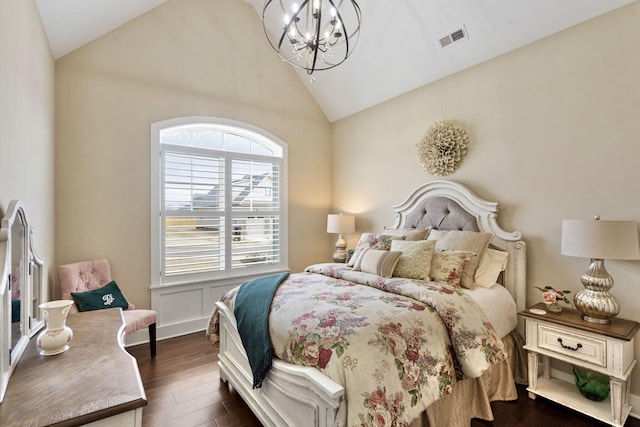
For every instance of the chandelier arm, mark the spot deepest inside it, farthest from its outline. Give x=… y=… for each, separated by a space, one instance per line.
x=296 y=20
x=332 y=28
x=316 y=43
x=264 y=27
x=342 y=24
x=358 y=12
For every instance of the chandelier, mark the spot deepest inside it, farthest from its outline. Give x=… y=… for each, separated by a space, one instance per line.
x=313 y=34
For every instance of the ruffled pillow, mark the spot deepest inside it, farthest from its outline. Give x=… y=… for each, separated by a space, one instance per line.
x=447 y=266
x=380 y=242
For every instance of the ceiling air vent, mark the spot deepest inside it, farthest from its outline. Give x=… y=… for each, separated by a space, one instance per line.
x=454 y=37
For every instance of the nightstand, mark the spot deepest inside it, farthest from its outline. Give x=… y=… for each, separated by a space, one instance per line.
x=608 y=349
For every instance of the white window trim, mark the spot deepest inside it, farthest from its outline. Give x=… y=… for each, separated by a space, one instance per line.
x=156 y=203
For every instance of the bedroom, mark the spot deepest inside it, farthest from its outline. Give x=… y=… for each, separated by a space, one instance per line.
x=555 y=135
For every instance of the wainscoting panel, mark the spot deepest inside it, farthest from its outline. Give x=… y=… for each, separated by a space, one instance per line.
x=186 y=308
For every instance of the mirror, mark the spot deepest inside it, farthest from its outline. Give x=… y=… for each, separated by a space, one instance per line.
x=16 y=278
x=37 y=288
x=22 y=289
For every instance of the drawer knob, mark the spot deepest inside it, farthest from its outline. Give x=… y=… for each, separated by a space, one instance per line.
x=568 y=347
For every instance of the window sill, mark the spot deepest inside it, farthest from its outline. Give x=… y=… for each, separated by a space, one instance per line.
x=219 y=281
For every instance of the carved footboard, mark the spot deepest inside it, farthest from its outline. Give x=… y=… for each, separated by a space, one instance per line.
x=291 y=395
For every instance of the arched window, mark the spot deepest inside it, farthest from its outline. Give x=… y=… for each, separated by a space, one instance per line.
x=218 y=200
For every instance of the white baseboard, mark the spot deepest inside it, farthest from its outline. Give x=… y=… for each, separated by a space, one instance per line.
x=634 y=401
x=168 y=331
x=183 y=309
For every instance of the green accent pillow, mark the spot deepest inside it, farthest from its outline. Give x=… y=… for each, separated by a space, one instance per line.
x=108 y=296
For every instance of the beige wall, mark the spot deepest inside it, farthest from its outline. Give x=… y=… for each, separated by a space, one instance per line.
x=184 y=58
x=555 y=130
x=26 y=120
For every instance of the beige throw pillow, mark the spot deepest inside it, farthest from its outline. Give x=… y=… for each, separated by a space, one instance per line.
x=471 y=241
x=447 y=266
x=378 y=262
x=410 y=234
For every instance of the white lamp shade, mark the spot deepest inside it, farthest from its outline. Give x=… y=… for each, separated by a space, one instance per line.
x=600 y=239
x=341 y=224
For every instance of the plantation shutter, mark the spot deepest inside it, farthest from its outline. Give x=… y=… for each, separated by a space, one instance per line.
x=255 y=211
x=220 y=211
x=193 y=212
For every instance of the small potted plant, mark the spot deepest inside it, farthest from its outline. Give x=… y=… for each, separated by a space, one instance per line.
x=552 y=298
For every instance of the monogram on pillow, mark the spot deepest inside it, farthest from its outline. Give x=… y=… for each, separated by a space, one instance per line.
x=108 y=296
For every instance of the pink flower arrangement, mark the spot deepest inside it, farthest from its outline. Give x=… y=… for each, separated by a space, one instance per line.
x=550 y=295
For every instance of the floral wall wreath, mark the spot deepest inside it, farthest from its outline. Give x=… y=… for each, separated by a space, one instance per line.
x=442 y=148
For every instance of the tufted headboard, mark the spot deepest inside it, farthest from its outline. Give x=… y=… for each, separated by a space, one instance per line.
x=440 y=213
x=448 y=205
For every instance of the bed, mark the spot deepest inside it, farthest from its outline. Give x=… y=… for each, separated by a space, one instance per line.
x=389 y=378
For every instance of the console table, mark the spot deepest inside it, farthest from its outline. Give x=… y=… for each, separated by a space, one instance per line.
x=96 y=381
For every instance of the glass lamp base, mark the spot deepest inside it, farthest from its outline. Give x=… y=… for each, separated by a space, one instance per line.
x=595 y=302
x=341 y=256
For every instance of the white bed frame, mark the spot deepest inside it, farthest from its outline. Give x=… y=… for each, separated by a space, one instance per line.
x=298 y=396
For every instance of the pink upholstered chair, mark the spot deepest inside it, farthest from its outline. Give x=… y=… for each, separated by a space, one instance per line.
x=89 y=275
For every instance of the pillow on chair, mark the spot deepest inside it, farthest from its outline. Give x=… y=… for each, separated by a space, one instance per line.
x=108 y=296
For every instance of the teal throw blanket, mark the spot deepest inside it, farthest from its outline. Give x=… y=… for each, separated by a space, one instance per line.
x=251 y=309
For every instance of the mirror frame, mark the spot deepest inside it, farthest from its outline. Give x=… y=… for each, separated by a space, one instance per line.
x=31 y=320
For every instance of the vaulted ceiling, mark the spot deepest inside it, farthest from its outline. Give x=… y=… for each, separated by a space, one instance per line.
x=398 y=49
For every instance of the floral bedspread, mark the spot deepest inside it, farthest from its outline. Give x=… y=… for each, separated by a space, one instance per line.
x=396 y=345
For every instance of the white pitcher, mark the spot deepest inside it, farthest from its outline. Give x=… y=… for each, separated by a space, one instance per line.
x=56 y=336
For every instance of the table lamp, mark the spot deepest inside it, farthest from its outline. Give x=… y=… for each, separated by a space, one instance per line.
x=599 y=240
x=341 y=224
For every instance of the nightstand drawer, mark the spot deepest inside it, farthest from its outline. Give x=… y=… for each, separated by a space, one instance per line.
x=573 y=344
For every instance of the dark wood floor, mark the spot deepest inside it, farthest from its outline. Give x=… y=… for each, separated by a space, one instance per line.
x=184 y=390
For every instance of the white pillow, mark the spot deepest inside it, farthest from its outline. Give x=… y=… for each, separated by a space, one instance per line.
x=493 y=263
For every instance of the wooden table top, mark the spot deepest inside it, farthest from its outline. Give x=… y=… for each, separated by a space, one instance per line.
x=618 y=328
x=96 y=378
